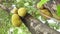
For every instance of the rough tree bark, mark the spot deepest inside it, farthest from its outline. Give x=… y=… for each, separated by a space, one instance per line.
x=37 y=27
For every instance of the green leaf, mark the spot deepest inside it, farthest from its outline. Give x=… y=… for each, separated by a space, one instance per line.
x=16 y=31
x=42 y=2
x=58 y=10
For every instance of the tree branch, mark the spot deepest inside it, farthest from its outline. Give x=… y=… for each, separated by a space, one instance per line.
x=4 y=8
x=35 y=26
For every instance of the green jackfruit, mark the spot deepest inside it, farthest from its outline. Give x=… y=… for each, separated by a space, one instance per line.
x=22 y=12
x=16 y=21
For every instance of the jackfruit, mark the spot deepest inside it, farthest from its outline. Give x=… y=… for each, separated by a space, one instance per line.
x=22 y=12
x=16 y=21
x=46 y=12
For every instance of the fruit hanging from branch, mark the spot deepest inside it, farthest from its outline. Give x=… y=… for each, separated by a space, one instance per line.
x=46 y=12
x=16 y=21
x=22 y=12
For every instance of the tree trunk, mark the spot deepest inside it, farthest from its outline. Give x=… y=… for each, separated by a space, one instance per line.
x=37 y=27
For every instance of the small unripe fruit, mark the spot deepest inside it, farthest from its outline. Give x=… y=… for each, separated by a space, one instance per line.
x=22 y=12
x=46 y=12
x=16 y=21
x=14 y=10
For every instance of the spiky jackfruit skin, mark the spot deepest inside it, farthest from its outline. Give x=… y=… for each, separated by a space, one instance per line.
x=16 y=21
x=22 y=12
x=14 y=10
